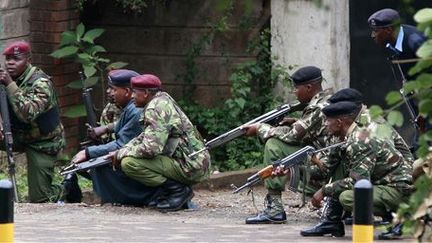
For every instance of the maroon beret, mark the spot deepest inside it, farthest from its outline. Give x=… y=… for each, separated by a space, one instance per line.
x=145 y=81
x=17 y=48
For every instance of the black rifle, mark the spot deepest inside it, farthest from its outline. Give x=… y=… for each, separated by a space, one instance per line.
x=89 y=107
x=74 y=167
x=239 y=131
x=8 y=139
x=291 y=161
x=411 y=111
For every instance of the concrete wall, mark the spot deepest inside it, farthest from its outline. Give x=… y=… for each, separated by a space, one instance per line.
x=14 y=22
x=306 y=34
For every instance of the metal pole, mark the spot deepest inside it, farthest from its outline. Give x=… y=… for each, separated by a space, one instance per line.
x=363 y=212
x=6 y=211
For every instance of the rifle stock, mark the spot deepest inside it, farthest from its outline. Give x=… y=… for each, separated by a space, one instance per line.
x=291 y=161
x=239 y=131
x=8 y=138
x=92 y=163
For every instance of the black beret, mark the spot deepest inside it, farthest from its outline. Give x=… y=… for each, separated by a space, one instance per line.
x=384 y=18
x=121 y=77
x=341 y=108
x=347 y=94
x=306 y=75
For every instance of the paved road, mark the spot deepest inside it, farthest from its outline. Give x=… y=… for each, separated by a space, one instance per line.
x=215 y=221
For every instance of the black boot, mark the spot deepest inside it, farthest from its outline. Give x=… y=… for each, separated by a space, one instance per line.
x=331 y=222
x=392 y=233
x=177 y=194
x=72 y=190
x=274 y=212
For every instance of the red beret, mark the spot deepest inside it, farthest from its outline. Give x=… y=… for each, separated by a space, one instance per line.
x=17 y=48
x=145 y=81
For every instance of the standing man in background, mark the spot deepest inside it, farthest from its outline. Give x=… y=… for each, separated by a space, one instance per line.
x=36 y=125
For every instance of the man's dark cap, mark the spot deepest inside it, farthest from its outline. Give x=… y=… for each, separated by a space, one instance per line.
x=384 y=18
x=347 y=94
x=306 y=75
x=121 y=77
x=342 y=108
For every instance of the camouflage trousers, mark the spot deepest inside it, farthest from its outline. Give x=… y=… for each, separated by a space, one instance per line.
x=154 y=172
x=385 y=199
x=276 y=149
x=40 y=172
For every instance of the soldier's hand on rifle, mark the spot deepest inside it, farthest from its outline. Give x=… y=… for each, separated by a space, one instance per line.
x=317 y=162
x=317 y=198
x=114 y=161
x=287 y=121
x=5 y=78
x=280 y=171
x=251 y=130
x=96 y=132
x=79 y=157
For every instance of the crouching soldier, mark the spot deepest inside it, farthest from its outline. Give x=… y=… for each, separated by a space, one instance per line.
x=113 y=186
x=158 y=157
x=364 y=156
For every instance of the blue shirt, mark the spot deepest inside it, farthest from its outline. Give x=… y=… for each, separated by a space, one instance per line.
x=126 y=128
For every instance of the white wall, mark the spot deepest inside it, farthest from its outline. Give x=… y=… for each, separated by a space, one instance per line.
x=306 y=34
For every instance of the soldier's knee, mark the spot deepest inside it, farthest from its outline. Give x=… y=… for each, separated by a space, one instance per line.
x=346 y=199
x=127 y=165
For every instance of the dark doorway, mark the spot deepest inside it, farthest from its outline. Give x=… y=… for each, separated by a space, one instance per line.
x=370 y=70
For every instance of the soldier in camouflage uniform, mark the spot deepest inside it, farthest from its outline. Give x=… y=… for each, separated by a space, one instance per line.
x=36 y=126
x=319 y=174
x=364 y=156
x=283 y=140
x=158 y=157
x=110 y=113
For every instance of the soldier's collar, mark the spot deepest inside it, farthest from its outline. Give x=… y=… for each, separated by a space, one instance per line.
x=22 y=77
x=351 y=129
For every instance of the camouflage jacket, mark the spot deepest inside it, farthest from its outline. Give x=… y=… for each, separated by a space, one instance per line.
x=168 y=131
x=367 y=157
x=110 y=114
x=35 y=114
x=308 y=130
x=381 y=129
x=378 y=128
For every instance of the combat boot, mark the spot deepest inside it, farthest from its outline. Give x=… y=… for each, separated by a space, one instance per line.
x=274 y=212
x=177 y=194
x=331 y=222
x=72 y=191
x=393 y=233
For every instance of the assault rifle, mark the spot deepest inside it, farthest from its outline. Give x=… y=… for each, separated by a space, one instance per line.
x=8 y=139
x=239 y=131
x=291 y=161
x=92 y=163
x=89 y=107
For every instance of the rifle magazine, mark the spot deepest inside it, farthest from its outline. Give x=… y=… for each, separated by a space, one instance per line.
x=294 y=173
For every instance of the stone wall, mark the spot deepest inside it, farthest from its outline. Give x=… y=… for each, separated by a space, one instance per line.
x=306 y=34
x=157 y=41
x=14 y=22
x=48 y=19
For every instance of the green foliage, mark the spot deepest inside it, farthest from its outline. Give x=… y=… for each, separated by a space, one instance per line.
x=252 y=95
x=80 y=46
x=416 y=214
x=135 y=6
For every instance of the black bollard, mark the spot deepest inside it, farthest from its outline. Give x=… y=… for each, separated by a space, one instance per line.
x=363 y=212
x=6 y=211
